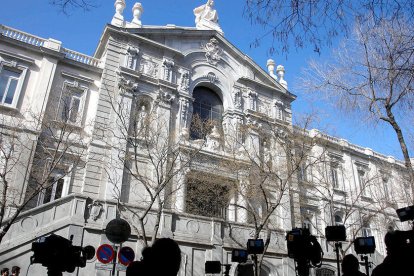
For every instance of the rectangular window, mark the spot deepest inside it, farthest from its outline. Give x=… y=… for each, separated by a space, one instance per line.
x=303 y=174
x=207 y=198
x=386 y=190
x=54 y=190
x=9 y=80
x=71 y=105
x=334 y=176
x=362 y=184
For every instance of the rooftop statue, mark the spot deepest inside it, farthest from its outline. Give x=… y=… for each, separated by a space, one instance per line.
x=206 y=17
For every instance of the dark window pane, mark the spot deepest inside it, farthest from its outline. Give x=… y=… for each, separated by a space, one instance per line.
x=207 y=108
x=11 y=91
x=74 y=109
x=48 y=194
x=59 y=188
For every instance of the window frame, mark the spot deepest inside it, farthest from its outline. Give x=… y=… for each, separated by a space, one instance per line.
x=72 y=90
x=57 y=177
x=22 y=70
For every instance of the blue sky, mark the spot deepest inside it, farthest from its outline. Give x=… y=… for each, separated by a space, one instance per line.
x=80 y=31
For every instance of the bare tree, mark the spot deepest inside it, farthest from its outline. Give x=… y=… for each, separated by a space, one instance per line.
x=318 y=23
x=371 y=75
x=67 y=5
x=267 y=170
x=59 y=149
x=149 y=163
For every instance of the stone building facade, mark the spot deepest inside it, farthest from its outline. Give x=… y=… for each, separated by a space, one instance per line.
x=174 y=74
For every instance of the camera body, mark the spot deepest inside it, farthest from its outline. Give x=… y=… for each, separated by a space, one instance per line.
x=364 y=245
x=255 y=246
x=58 y=254
x=302 y=245
x=335 y=233
x=239 y=256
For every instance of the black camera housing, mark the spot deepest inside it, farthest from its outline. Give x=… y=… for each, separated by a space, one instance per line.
x=406 y=213
x=212 y=267
x=239 y=255
x=58 y=254
x=255 y=246
x=364 y=245
x=302 y=246
x=335 y=233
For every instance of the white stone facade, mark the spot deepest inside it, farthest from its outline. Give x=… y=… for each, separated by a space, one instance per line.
x=154 y=63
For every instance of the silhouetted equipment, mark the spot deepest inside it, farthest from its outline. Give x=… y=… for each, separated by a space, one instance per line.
x=59 y=255
x=406 y=213
x=364 y=245
x=304 y=249
x=118 y=230
x=255 y=246
x=335 y=233
x=239 y=256
x=212 y=267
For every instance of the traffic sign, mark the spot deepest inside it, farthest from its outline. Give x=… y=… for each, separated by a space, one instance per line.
x=118 y=230
x=105 y=253
x=126 y=255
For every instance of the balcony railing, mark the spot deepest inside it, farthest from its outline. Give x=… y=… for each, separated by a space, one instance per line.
x=79 y=57
x=21 y=36
x=42 y=42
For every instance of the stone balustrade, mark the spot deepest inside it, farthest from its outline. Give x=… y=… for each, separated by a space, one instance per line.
x=21 y=36
x=79 y=57
x=48 y=43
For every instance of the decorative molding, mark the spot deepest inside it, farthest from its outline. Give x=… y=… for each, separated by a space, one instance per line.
x=213 y=51
x=127 y=84
x=184 y=81
x=95 y=210
x=237 y=98
x=168 y=65
x=166 y=97
x=76 y=76
x=211 y=77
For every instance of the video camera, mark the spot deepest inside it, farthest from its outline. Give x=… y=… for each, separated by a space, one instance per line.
x=304 y=249
x=59 y=255
x=254 y=247
x=364 y=245
x=302 y=245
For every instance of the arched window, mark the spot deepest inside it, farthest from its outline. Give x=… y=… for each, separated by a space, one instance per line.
x=366 y=227
x=207 y=111
x=338 y=219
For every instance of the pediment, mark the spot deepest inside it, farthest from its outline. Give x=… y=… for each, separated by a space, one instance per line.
x=208 y=48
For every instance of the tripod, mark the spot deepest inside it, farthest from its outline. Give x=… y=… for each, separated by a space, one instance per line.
x=338 y=245
x=366 y=263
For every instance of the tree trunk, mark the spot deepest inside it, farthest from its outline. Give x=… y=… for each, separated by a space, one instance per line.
x=404 y=149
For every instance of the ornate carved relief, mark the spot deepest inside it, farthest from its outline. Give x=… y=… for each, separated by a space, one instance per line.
x=95 y=210
x=278 y=109
x=149 y=67
x=213 y=139
x=131 y=61
x=237 y=98
x=184 y=82
x=213 y=51
x=127 y=84
x=184 y=110
x=211 y=77
x=253 y=97
x=168 y=66
x=166 y=97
